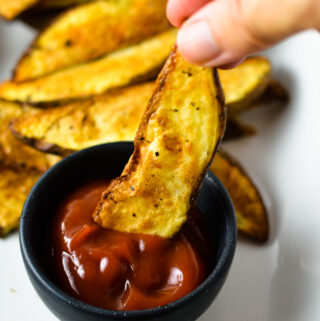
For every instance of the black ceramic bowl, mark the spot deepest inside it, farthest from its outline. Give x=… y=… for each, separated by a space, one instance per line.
x=107 y=161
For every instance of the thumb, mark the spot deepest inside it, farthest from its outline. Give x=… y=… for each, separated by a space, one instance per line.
x=224 y=32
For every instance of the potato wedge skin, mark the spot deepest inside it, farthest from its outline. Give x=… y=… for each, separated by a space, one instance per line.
x=118 y=69
x=13 y=152
x=237 y=128
x=10 y=9
x=274 y=92
x=53 y=4
x=244 y=84
x=68 y=40
x=250 y=210
x=175 y=143
x=15 y=184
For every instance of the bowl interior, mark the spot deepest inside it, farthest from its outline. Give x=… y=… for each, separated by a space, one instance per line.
x=107 y=161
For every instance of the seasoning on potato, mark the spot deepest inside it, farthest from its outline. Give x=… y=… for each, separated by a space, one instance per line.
x=178 y=136
x=118 y=69
x=69 y=39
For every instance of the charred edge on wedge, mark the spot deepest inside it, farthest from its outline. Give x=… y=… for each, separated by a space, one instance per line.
x=257 y=236
x=39 y=144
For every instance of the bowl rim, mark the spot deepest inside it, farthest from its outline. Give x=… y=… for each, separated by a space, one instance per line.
x=41 y=277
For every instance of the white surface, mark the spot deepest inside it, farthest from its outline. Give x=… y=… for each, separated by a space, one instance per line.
x=279 y=281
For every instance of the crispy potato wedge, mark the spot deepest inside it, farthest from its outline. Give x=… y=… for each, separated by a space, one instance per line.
x=120 y=68
x=109 y=117
x=68 y=40
x=15 y=185
x=175 y=143
x=251 y=213
x=244 y=84
x=9 y=9
x=12 y=151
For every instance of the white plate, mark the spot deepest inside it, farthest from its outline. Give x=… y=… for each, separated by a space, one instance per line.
x=279 y=281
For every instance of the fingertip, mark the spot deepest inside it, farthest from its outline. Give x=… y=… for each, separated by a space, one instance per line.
x=211 y=37
x=196 y=43
x=173 y=12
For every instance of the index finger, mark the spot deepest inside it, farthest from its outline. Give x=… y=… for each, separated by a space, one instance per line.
x=179 y=10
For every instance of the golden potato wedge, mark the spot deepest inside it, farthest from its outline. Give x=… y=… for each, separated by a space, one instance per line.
x=109 y=117
x=69 y=39
x=12 y=151
x=15 y=185
x=175 y=143
x=118 y=69
x=9 y=9
x=251 y=213
x=244 y=84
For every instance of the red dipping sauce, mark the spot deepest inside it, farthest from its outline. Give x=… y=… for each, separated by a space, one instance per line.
x=121 y=271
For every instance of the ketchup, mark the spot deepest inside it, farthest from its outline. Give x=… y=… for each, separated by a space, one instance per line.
x=123 y=271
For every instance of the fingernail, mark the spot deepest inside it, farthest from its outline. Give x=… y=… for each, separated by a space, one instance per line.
x=196 y=43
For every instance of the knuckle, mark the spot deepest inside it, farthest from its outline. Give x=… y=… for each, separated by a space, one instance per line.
x=245 y=18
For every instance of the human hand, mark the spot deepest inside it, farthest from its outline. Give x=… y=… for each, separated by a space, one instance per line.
x=221 y=33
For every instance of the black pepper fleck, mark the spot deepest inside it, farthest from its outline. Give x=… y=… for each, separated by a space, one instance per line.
x=187 y=73
x=68 y=43
x=84 y=118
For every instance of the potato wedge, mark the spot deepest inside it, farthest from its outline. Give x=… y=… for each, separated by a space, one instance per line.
x=244 y=84
x=175 y=143
x=251 y=213
x=15 y=185
x=9 y=9
x=120 y=68
x=109 y=117
x=12 y=151
x=68 y=40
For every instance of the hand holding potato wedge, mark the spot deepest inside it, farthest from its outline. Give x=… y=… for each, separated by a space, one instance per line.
x=71 y=72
